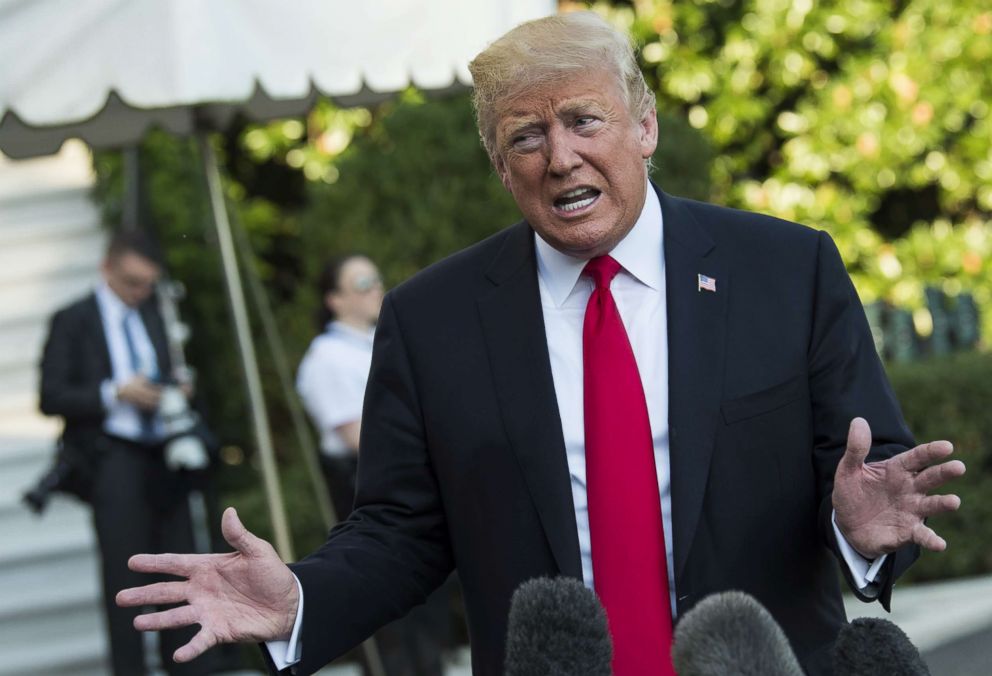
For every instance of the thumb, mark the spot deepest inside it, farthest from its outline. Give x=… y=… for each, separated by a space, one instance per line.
x=858 y=445
x=236 y=534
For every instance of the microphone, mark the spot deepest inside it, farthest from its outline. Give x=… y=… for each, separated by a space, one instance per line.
x=876 y=647
x=731 y=634
x=557 y=627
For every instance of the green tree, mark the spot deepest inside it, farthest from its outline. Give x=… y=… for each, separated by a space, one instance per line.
x=866 y=118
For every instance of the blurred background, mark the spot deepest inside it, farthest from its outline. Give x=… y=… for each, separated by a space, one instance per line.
x=869 y=119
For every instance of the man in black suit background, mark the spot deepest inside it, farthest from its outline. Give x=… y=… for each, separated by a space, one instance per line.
x=102 y=370
x=483 y=447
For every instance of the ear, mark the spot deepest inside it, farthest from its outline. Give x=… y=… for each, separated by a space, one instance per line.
x=648 y=133
x=504 y=176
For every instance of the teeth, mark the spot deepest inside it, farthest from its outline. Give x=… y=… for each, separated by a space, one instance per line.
x=577 y=205
x=573 y=193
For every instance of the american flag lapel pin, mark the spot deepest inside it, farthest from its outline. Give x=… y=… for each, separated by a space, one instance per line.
x=706 y=283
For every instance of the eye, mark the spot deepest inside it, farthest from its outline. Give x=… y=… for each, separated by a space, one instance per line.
x=526 y=140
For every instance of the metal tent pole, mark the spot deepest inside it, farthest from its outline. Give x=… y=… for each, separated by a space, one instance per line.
x=278 y=349
x=260 y=420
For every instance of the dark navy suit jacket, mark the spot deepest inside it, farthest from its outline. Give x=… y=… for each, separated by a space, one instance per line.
x=463 y=463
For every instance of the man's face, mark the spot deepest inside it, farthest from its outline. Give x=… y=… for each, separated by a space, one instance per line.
x=573 y=158
x=358 y=299
x=131 y=276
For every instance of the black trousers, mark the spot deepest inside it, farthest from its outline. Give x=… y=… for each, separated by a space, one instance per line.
x=139 y=506
x=411 y=645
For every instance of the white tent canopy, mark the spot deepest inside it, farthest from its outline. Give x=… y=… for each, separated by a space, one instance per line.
x=107 y=70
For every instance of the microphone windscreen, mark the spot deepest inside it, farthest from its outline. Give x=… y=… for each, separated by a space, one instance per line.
x=731 y=634
x=557 y=627
x=871 y=646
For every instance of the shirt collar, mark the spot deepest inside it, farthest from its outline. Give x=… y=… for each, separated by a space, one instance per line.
x=111 y=303
x=640 y=253
x=347 y=330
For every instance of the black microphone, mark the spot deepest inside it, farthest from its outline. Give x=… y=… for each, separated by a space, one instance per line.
x=731 y=634
x=557 y=627
x=871 y=646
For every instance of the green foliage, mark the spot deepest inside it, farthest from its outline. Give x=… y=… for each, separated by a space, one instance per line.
x=948 y=399
x=681 y=164
x=869 y=119
x=412 y=187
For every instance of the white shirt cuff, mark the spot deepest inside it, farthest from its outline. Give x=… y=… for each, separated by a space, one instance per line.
x=287 y=653
x=862 y=570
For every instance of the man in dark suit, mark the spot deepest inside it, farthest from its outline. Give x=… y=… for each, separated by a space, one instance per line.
x=103 y=362
x=663 y=398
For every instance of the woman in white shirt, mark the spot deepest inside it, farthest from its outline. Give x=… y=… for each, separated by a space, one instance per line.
x=331 y=380
x=332 y=376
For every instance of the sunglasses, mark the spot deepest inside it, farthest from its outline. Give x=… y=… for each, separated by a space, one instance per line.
x=366 y=283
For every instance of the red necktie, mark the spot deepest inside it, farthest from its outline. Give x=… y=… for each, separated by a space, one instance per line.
x=628 y=539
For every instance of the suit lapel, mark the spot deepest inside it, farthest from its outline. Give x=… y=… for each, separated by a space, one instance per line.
x=513 y=324
x=696 y=331
x=95 y=318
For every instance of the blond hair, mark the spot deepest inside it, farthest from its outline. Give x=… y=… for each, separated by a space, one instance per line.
x=548 y=50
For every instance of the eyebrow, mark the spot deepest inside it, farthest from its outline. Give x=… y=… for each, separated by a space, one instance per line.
x=581 y=105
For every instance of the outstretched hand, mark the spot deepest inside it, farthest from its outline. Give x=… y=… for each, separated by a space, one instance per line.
x=880 y=506
x=246 y=595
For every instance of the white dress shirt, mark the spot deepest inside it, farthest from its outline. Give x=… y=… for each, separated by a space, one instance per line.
x=123 y=419
x=331 y=381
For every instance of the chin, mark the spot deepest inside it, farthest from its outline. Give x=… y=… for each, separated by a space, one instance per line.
x=595 y=244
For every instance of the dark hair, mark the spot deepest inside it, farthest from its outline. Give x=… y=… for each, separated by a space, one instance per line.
x=328 y=281
x=130 y=240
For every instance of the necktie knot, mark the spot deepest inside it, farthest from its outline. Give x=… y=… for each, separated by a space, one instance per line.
x=602 y=269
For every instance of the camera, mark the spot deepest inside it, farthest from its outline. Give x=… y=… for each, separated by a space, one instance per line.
x=184 y=449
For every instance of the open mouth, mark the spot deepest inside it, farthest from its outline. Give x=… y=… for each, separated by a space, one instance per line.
x=576 y=200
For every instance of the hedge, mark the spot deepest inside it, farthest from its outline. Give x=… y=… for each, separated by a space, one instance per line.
x=949 y=398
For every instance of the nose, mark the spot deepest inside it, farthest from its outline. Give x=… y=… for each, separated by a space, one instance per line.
x=562 y=156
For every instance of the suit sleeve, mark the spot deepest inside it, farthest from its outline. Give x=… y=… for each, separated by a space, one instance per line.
x=393 y=550
x=847 y=380
x=61 y=394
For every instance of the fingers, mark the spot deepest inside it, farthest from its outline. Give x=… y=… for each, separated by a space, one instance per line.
x=237 y=535
x=171 y=564
x=141 y=392
x=938 y=504
x=925 y=537
x=919 y=458
x=938 y=475
x=173 y=618
x=197 y=645
x=858 y=445
x=153 y=594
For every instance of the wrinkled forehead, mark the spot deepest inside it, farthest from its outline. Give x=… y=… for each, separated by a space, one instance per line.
x=535 y=81
x=595 y=91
